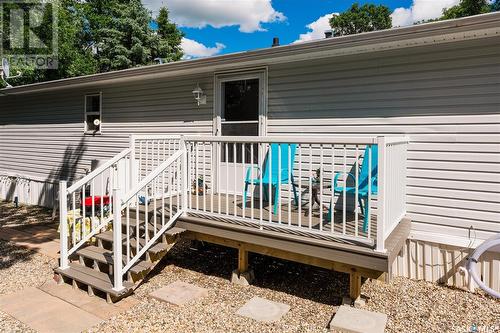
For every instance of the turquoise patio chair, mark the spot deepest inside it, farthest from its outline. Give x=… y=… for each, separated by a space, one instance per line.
x=362 y=182
x=277 y=150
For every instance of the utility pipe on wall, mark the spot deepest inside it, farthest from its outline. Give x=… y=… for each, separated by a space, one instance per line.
x=473 y=259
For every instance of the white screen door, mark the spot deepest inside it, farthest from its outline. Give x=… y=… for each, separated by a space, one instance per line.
x=240 y=111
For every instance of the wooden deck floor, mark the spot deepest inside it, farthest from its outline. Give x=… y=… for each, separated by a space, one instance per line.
x=289 y=218
x=316 y=240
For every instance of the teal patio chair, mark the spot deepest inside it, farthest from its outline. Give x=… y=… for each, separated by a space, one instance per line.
x=277 y=150
x=362 y=182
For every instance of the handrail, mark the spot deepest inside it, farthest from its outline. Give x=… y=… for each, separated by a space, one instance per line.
x=98 y=171
x=170 y=181
x=146 y=180
x=284 y=139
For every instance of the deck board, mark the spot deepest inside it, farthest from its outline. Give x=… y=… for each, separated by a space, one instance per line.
x=232 y=210
x=285 y=236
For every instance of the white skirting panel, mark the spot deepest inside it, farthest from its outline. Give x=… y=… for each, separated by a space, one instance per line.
x=440 y=263
x=28 y=191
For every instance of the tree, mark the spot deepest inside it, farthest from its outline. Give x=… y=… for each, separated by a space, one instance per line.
x=495 y=6
x=169 y=38
x=120 y=33
x=97 y=36
x=466 y=8
x=368 y=17
x=73 y=57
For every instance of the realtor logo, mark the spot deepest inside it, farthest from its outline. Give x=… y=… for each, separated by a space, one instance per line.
x=29 y=34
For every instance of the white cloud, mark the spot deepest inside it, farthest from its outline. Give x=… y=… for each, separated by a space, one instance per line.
x=420 y=10
x=317 y=28
x=247 y=14
x=194 y=49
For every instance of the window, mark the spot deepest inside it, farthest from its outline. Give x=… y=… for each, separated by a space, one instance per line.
x=240 y=115
x=93 y=105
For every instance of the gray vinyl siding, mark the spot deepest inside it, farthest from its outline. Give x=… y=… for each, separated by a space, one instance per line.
x=42 y=135
x=447 y=100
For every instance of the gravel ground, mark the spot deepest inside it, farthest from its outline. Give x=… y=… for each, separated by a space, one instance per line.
x=23 y=215
x=312 y=293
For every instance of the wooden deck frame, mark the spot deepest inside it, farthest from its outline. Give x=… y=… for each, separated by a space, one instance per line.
x=365 y=263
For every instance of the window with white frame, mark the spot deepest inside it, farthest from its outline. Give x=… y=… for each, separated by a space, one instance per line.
x=93 y=113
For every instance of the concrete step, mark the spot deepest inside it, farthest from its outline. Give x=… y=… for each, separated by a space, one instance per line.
x=106 y=257
x=94 y=279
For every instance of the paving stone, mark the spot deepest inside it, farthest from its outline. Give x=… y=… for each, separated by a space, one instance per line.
x=46 y=313
x=352 y=320
x=179 y=293
x=94 y=305
x=38 y=242
x=264 y=310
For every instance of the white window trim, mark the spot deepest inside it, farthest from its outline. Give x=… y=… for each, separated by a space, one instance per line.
x=85 y=113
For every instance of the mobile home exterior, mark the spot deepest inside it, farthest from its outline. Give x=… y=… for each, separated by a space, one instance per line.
x=438 y=84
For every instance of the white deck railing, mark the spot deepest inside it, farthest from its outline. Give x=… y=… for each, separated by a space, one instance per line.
x=149 y=151
x=330 y=187
x=219 y=166
x=392 y=186
x=80 y=222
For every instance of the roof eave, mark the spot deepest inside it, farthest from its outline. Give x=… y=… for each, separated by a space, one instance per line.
x=480 y=26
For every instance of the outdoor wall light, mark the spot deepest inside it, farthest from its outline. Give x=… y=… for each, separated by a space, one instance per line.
x=199 y=96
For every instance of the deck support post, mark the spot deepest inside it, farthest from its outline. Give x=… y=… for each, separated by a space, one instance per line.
x=242 y=260
x=354 y=285
x=243 y=275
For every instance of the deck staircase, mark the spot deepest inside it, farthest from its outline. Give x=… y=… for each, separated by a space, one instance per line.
x=137 y=226
x=147 y=187
x=91 y=267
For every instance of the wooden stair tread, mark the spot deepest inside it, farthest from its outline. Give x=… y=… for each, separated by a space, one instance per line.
x=132 y=223
x=155 y=249
x=106 y=256
x=108 y=236
x=159 y=247
x=94 y=278
x=174 y=231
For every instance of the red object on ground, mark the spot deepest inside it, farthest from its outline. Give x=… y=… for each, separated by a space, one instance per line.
x=97 y=200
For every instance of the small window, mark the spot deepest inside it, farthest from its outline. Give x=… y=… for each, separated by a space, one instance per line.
x=93 y=113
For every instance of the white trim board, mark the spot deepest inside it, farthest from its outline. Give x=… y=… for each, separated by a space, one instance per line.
x=457 y=241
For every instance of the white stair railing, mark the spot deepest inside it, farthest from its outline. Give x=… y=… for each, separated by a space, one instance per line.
x=146 y=218
x=85 y=208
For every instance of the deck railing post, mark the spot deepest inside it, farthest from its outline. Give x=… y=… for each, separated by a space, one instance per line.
x=184 y=171
x=381 y=197
x=133 y=171
x=117 y=241
x=63 y=225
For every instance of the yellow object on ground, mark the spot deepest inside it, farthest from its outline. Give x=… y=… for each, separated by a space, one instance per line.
x=74 y=221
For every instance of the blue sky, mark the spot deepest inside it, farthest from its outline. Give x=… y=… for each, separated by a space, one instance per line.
x=224 y=26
